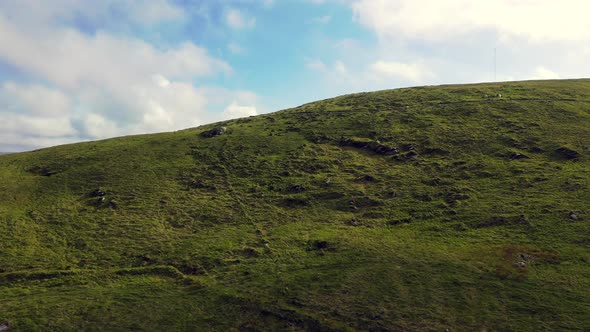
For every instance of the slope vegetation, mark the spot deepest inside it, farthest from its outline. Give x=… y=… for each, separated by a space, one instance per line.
x=424 y=209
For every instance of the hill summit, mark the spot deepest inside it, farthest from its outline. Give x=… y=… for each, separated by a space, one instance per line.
x=444 y=208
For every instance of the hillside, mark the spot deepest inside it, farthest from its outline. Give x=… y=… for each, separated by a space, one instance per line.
x=459 y=208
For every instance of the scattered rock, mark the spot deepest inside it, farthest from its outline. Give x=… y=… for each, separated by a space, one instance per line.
x=408 y=147
x=574 y=216
x=411 y=155
x=567 y=153
x=249 y=252
x=319 y=245
x=399 y=221
x=98 y=193
x=453 y=198
x=5 y=327
x=391 y=194
x=366 y=178
x=518 y=156
x=295 y=201
x=520 y=264
x=364 y=202
x=214 y=132
x=372 y=146
x=42 y=171
x=295 y=189
x=353 y=222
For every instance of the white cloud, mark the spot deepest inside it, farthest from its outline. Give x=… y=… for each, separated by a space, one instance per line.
x=97 y=126
x=153 y=11
x=32 y=115
x=235 y=48
x=33 y=99
x=142 y=12
x=411 y=72
x=543 y=73
x=535 y=20
x=316 y=65
x=236 y=20
x=100 y=85
x=235 y=110
x=340 y=68
x=69 y=58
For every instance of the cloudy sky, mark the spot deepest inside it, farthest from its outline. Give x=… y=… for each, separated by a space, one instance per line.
x=75 y=70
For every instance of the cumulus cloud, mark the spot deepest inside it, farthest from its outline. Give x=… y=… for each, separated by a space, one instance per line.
x=411 y=72
x=69 y=58
x=237 y=20
x=316 y=65
x=539 y=20
x=98 y=85
x=543 y=73
x=235 y=48
x=142 y=12
x=33 y=99
x=33 y=115
x=337 y=68
x=435 y=42
x=235 y=110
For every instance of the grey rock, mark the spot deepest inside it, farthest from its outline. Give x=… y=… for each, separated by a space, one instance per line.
x=214 y=132
x=5 y=327
x=518 y=156
x=98 y=193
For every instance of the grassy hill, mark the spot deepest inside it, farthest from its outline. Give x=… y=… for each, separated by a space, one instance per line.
x=459 y=208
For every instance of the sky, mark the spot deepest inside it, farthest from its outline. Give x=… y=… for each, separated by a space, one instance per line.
x=79 y=70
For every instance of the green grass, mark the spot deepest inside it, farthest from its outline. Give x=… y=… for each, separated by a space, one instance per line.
x=299 y=220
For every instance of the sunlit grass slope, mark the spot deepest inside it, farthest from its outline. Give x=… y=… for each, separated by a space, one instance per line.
x=464 y=208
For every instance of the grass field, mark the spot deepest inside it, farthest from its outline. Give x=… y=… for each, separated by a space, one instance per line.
x=423 y=209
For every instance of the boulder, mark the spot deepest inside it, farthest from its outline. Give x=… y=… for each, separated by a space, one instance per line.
x=214 y=132
x=518 y=156
x=574 y=216
x=567 y=153
x=98 y=193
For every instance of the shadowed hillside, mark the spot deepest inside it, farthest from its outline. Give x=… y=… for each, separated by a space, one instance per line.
x=423 y=209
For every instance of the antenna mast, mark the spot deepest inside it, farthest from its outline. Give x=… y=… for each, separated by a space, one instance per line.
x=495 y=63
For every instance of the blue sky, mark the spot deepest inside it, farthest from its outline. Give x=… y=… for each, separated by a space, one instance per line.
x=77 y=70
